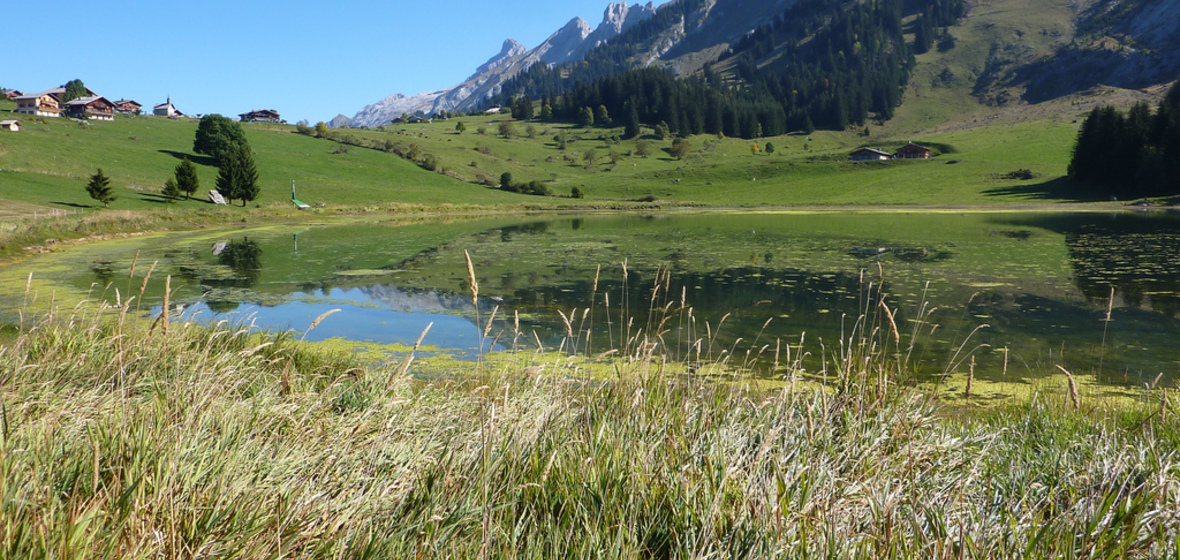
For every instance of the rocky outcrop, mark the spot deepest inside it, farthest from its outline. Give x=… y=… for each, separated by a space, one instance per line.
x=339 y=121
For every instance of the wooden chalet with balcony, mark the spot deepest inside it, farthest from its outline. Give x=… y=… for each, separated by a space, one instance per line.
x=96 y=108
x=128 y=107
x=263 y=116
x=39 y=105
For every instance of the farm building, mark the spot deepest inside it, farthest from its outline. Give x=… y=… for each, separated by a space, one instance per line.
x=11 y=125
x=913 y=151
x=869 y=154
x=91 y=107
x=262 y=115
x=128 y=106
x=38 y=104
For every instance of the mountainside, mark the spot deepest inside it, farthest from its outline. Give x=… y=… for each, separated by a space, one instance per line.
x=569 y=43
x=1006 y=51
x=1129 y=44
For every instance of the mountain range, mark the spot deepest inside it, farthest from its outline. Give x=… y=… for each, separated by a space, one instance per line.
x=567 y=44
x=1032 y=52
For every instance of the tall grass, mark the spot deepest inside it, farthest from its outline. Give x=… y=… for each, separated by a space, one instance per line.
x=124 y=442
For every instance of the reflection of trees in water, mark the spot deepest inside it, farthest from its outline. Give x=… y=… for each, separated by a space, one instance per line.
x=1143 y=268
x=244 y=258
x=1137 y=254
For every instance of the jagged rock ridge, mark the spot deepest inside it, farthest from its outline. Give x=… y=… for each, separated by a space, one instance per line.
x=571 y=42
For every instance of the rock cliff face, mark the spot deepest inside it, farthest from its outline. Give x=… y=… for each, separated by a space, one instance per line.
x=571 y=42
x=1129 y=44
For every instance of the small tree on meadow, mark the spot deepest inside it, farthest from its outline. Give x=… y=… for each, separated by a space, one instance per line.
x=769 y=148
x=680 y=148
x=186 y=178
x=321 y=130
x=507 y=129
x=99 y=188
x=460 y=127
x=590 y=157
x=171 y=191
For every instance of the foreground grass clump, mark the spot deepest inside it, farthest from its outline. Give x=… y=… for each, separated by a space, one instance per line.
x=120 y=441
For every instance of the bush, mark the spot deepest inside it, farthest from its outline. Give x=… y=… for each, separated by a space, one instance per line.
x=577 y=193
x=537 y=188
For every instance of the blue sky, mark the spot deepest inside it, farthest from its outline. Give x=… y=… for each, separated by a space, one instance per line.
x=307 y=60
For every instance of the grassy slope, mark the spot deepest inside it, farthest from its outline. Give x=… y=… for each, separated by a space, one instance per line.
x=48 y=161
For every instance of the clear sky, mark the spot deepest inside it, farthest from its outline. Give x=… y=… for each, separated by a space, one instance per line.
x=307 y=60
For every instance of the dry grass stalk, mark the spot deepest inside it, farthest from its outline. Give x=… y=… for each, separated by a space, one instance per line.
x=317 y=321
x=402 y=369
x=1110 y=304
x=970 y=378
x=471 y=278
x=147 y=277
x=1163 y=412
x=1073 y=388
x=167 y=301
x=488 y=328
x=134 y=260
x=597 y=271
x=892 y=324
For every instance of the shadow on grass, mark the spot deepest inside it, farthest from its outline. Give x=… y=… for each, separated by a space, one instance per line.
x=73 y=204
x=161 y=199
x=1061 y=189
x=199 y=160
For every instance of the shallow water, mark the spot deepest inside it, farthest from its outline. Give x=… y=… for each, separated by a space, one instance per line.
x=1019 y=293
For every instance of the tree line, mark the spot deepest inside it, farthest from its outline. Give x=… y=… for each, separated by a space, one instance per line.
x=1130 y=155
x=821 y=64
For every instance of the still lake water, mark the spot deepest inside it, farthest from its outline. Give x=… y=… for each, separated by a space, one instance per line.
x=1020 y=292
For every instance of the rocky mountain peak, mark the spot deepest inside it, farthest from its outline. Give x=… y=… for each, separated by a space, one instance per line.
x=619 y=16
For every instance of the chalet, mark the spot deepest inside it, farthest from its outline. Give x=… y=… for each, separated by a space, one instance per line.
x=262 y=115
x=128 y=106
x=869 y=154
x=913 y=151
x=38 y=104
x=91 y=107
x=12 y=94
x=417 y=120
x=11 y=126
x=166 y=109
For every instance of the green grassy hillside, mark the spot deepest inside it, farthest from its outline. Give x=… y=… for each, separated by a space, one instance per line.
x=48 y=161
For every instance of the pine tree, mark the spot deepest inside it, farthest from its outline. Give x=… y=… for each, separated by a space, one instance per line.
x=99 y=188
x=171 y=191
x=632 y=129
x=237 y=177
x=186 y=178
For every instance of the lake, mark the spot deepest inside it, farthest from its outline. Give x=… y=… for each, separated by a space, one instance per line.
x=1015 y=293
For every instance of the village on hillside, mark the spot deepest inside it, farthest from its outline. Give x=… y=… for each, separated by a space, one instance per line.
x=55 y=102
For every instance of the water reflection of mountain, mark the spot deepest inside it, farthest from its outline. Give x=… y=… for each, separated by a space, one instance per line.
x=416 y=301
